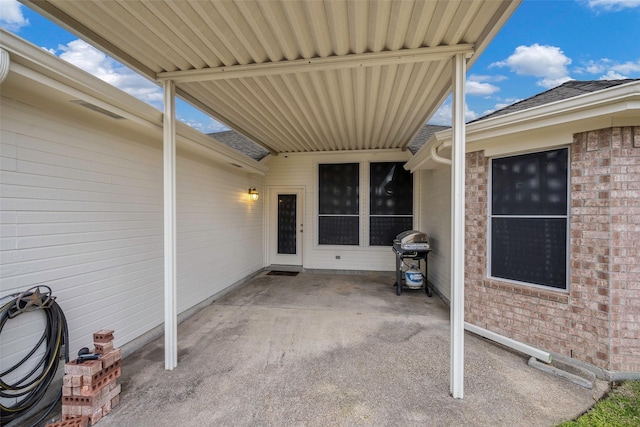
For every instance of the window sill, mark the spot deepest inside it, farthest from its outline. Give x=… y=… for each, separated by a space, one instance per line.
x=560 y=296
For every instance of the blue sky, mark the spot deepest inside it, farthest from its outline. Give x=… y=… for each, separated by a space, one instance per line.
x=544 y=44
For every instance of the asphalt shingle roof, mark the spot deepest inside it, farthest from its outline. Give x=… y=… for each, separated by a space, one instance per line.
x=241 y=143
x=423 y=136
x=566 y=90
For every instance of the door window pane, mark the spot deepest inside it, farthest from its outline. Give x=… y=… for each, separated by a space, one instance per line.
x=287 y=223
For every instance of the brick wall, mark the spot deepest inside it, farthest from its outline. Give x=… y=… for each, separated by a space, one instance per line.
x=625 y=249
x=598 y=321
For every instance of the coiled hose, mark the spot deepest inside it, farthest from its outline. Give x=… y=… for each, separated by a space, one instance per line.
x=28 y=389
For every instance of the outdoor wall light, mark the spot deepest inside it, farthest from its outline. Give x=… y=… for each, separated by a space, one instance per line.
x=253 y=194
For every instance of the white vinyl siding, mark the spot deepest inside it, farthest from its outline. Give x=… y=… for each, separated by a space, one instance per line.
x=435 y=221
x=302 y=170
x=81 y=212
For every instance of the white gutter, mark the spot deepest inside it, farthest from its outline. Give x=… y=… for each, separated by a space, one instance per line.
x=4 y=64
x=436 y=158
x=511 y=343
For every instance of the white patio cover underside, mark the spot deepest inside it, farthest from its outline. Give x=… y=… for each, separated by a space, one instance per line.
x=301 y=76
x=295 y=76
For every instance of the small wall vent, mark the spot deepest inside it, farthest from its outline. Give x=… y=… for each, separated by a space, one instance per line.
x=97 y=109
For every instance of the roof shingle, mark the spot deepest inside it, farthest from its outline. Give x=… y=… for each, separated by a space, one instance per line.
x=241 y=143
x=566 y=90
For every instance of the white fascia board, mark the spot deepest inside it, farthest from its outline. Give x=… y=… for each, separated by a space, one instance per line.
x=608 y=102
x=39 y=65
x=543 y=117
x=590 y=105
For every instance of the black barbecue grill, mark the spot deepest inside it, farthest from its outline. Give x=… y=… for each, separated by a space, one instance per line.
x=411 y=245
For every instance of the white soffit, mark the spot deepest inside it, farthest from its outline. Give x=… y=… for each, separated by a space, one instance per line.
x=296 y=76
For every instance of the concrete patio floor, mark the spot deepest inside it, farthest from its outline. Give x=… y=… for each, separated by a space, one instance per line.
x=334 y=350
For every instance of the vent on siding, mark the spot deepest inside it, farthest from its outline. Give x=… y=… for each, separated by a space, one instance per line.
x=97 y=109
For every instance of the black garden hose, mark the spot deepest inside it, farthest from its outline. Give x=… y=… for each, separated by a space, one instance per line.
x=28 y=389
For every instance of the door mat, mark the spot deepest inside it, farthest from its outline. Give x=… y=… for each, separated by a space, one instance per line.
x=282 y=273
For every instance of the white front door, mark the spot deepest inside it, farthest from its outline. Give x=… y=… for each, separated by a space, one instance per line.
x=286 y=225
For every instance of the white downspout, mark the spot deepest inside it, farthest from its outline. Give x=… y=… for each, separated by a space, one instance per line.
x=169 y=160
x=457 y=229
x=436 y=157
x=5 y=62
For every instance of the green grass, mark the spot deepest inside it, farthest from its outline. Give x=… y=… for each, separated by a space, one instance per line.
x=620 y=408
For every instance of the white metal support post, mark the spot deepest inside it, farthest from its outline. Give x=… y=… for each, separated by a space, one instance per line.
x=169 y=157
x=457 y=228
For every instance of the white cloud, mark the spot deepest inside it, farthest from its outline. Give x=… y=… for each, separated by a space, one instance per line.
x=612 y=75
x=93 y=61
x=479 y=85
x=11 y=17
x=444 y=115
x=627 y=68
x=209 y=126
x=608 y=69
x=479 y=88
x=613 y=5
x=548 y=63
x=487 y=78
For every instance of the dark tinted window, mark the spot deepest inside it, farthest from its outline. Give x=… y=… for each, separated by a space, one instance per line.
x=529 y=218
x=338 y=188
x=338 y=204
x=530 y=184
x=390 y=202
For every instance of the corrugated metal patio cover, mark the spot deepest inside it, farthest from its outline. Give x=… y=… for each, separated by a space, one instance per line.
x=295 y=76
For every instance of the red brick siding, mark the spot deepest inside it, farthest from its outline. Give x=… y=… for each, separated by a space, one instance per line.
x=625 y=249
x=598 y=321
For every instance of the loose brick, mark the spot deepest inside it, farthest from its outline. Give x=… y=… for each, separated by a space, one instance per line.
x=72 y=422
x=103 y=348
x=71 y=411
x=111 y=358
x=103 y=336
x=98 y=399
x=88 y=367
x=115 y=401
x=108 y=376
x=94 y=379
x=97 y=416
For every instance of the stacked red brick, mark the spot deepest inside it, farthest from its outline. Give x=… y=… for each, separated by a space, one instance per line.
x=89 y=388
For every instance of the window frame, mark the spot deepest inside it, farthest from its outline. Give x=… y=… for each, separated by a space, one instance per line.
x=364 y=203
x=370 y=200
x=566 y=217
x=357 y=215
